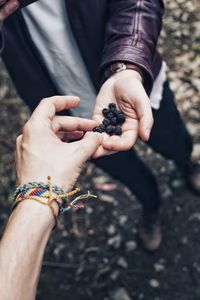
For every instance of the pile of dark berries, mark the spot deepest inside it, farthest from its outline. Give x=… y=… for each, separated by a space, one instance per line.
x=113 y=119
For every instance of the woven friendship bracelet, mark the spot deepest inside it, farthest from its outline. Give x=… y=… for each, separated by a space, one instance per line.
x=46 y=194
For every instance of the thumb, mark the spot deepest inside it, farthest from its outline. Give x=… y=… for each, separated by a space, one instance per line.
x=88 y=145
x=144 y=112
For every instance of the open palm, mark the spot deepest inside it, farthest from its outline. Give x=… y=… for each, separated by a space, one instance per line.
x=127 y=92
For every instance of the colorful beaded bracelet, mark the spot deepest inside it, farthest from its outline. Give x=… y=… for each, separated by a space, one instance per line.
x=39 y=192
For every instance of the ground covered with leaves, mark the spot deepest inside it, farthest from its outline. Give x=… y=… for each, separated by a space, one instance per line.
x=94 y=253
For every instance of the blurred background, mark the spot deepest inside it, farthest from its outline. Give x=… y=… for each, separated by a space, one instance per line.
x=94 y=253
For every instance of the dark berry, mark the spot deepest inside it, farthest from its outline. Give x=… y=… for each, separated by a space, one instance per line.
x=110 y=130
x=102 y=127
x=121 y=118
x=98 y=129
x=106 y=122
x=105 y=111
x=118 y=130
x=112 y=105
x=109 y=115
x=95 y=129
x=114 y=121
x=114 y=111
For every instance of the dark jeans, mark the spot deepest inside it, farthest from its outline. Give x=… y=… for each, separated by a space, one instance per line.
x=169 y=137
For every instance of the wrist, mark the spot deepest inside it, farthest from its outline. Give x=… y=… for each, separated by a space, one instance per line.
x=118 y=68
x=33 y=214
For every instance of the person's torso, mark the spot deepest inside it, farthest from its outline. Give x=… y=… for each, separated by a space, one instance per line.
x=50 y=30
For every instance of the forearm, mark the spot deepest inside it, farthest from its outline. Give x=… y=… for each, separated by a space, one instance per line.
x=132 y=32
x=22 y=249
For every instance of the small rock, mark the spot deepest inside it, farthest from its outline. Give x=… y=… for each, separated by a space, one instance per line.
x=134 y=230
x=178 y=209
x=154 y=283
x=115 y=241
x=158 y=267
x=166 y=193
x=100 y=180
x=177 y=183
x=195 y=216
x=131 y=245
x=184 y=240
x=196 y=266
x=121 y=294
x=107 y=198
x=196 y=151
x=89 y=210
x=193 y=128
x=114 y=275
x=91 y=231
x=111 y=229
x=122 y=262
x=123 y=220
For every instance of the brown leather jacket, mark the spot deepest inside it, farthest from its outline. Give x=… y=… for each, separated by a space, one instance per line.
x=106 y=31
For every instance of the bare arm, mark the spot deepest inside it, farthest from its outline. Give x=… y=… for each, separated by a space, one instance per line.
x=40 y=153
x=22 y=249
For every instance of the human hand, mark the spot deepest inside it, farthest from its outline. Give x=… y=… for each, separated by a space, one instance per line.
x=7 y=7
x=127 y=91
x=41 y=153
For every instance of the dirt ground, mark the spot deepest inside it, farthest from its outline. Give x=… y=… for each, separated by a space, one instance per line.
x=94 y=253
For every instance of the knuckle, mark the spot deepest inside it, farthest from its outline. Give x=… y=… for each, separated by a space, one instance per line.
x=26 y=129
x=18 y=140
x=30 y=128
x=84 y=148
x=43 y=101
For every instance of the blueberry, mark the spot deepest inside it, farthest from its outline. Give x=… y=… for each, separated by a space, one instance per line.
x=114 y=121
x=105 y=111
x=102 y=127
x=118 y=130
x=110 y=130
x=109 y=115
x=112 y=105
x=121 y=118
x=106 y=122
x=98 y=129
x=95 y=129
x=114 y=111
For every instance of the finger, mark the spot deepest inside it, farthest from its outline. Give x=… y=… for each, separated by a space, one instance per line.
x=87 y=146
x=122 y=143
x=48 y=107
x=8 y=8
x=145 y=117
x=102 y=152
x=70 y=136
x=66 y=123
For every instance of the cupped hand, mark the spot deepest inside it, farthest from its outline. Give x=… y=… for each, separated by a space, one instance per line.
x=41 y=151
x=127 y=92
x=7 y=7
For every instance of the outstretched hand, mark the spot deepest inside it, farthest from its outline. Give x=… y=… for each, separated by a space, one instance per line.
x=41 y=151
x=127 y=92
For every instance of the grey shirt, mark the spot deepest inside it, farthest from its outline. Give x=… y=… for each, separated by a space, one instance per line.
x=49 y=27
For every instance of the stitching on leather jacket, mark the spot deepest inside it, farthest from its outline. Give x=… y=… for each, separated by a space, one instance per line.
x=137 y=23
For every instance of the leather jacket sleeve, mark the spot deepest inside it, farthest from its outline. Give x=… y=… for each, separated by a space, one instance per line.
x=132 y=31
